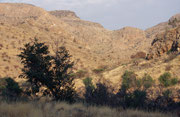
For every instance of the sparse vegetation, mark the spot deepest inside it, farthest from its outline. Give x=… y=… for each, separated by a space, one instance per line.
x=166 y=80
x=173 y=22
x=129 y=80
x=139 y=55
x=170 y=57
x=97 y=71
x=147 y=81
x=80 y=74
x=168 y=67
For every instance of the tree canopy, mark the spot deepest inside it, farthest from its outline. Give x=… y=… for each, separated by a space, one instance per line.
x=51 y=72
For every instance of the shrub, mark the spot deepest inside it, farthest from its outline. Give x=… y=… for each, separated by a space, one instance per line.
x=147 y=81
x=89 y=90
x=12 y=86
x=88 y=82
x=98 y=95
x=138 y=99
x=129 y=80
x=80 y=73
x=9 y=89
x=166 y=80
x=139 y=83
x=174 y=81
x=167 y=93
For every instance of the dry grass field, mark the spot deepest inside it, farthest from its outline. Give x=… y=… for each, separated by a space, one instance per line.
x=36 y=109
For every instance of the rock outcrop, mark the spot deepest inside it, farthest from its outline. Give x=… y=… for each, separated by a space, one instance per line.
x=64 y=14
x=165 y=42
x=174 y=21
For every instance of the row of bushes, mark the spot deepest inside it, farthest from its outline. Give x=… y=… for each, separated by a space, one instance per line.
x=133 y=93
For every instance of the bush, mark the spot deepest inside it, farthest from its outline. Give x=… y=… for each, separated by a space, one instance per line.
x=129 y=80
x=80 y=74
x=166 y=80
x=9 y=89
x=88 y=82
x=167 y=93
x=13 y=87
x=89 y=90
x=174 y=81
x=98 y=95
x=137 y=99
x=147 y=81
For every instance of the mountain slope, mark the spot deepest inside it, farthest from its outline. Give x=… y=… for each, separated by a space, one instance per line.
x=90 y=44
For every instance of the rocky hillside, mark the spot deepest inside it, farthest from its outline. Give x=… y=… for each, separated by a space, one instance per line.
x=174 y=21
x=166 y=42
x=90 y=44
x=111 y=46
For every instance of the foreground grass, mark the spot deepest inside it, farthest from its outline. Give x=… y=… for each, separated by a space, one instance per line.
x=66 y=110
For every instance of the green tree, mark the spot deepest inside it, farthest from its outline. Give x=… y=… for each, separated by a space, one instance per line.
x=52 y=72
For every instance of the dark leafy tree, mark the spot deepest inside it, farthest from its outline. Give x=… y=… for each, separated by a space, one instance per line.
x=61 y=70
x=43 y=70
x=12 y=88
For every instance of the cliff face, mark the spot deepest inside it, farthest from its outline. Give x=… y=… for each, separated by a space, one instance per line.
x=64 y=14
x=165 y=37
x=165 y=42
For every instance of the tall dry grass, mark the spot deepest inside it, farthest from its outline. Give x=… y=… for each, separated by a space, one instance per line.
x=66 y=110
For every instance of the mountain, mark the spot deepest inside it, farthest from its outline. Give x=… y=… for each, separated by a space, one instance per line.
x=91 y=45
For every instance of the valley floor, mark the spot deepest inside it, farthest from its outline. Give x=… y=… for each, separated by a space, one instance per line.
x=52 y=109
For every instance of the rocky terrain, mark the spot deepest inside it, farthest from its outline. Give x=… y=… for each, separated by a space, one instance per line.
x=165 y=42
x=90 y=44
